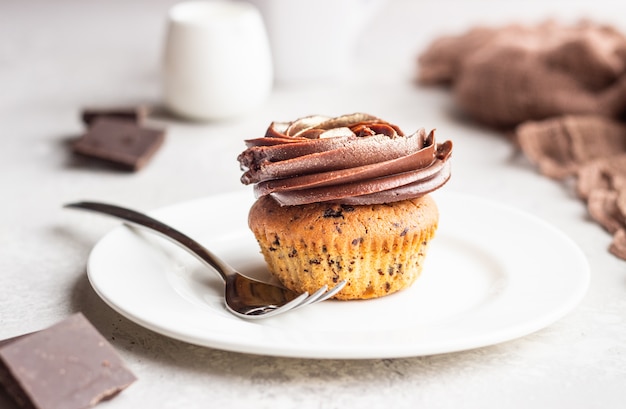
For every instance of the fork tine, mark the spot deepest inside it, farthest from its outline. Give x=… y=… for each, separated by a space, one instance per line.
x=332 y=291
x=301 y=301
x=321 y=294
x=314 y=297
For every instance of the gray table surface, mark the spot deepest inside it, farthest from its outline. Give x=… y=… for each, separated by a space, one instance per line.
x=57 y=57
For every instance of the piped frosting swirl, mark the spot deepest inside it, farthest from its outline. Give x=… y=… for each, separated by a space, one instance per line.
x=354 y=159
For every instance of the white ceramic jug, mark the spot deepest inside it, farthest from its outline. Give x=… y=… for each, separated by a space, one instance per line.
x=217 y=61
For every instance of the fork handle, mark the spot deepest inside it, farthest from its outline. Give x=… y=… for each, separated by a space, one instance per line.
x=135 y=218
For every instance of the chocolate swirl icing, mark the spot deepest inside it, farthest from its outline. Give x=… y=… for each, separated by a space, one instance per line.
x=353 y=159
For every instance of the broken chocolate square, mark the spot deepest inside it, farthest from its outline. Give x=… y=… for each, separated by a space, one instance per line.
x=69 y=365
x=134 y=114
x=121 y=142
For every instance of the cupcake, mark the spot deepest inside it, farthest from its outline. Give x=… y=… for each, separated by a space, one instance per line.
x=344 y=198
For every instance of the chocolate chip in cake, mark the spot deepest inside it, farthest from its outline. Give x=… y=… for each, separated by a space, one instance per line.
x=120 y=142
x=69 y=365
x=357 y=241
x=333 y=213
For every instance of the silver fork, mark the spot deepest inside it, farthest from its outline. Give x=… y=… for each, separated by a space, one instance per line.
x=244 y=297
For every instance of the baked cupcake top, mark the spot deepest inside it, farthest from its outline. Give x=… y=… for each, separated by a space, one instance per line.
x=355 y=159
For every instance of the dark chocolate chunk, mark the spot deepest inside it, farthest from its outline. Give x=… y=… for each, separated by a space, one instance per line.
x=121 y=142
x=69 y=365
x=333 y=213
x=134 y=114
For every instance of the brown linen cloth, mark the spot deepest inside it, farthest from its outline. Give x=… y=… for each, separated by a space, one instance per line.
x=561 y=89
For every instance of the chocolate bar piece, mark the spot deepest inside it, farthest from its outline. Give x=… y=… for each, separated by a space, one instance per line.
x=121 y=142
x=69 y=365
x=134 y=114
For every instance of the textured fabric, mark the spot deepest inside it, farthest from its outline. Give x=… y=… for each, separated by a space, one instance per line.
x=561 y=90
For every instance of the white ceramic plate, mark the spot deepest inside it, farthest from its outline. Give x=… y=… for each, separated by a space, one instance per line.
x=492 y=274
